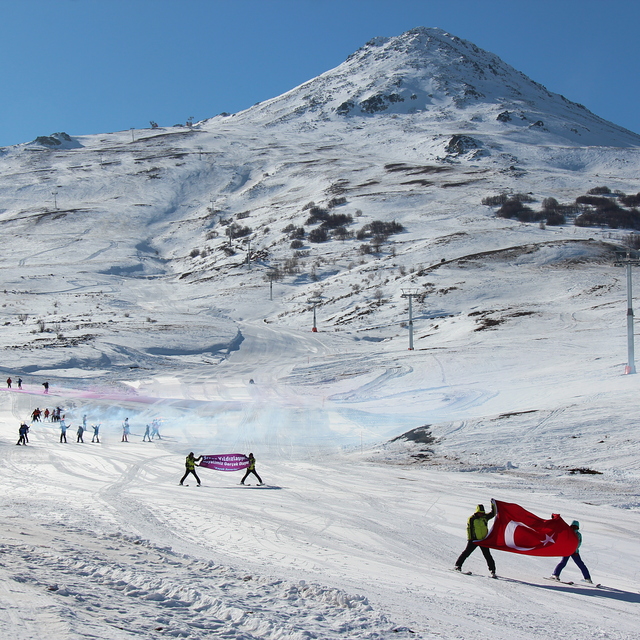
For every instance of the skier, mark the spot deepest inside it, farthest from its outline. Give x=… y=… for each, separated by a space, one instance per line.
x=190 y=466
x=46 y=387
x=20 y=384
x=155 y=428
x=8 y=383
x=63 y=430
x=96 y=431
x=46 y=414
x=125 y=430
x=252 y=469
x=35 y=415
x=575 y=525
x=84 y=421
x=147 y=433
x=80 y=432
x=22 y=432
x=477 y=529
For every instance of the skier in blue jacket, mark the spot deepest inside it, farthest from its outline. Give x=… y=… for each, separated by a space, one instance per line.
x=575 y=525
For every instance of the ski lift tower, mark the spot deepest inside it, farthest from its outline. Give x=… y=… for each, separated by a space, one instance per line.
x=315 y=301
x=272 y=274
x=410 y=293
x=629 y=261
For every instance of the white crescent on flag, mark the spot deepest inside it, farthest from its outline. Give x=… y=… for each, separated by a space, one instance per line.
x=510 y=534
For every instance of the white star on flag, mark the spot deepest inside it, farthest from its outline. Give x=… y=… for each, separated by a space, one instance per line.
x=548 y=540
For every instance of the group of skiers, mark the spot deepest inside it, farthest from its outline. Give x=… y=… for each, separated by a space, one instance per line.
x=191 y=462
x=478 y=528
x=80 y=430
x=152 y=430
x=37 y=415
x=19 y=384
x=64 y=427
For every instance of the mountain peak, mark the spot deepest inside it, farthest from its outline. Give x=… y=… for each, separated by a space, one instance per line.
x=440 y=77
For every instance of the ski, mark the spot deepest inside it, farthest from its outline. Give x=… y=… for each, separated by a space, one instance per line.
x=558 y=581
x=578 y=584
x=464 y=573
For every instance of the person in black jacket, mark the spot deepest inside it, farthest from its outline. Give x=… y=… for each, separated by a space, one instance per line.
x=190 y=465
x=251 y=469
x=477 y=529
x=22 y=432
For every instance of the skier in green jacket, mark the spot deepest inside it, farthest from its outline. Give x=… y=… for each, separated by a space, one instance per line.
x=477 y=529
x=190 y=465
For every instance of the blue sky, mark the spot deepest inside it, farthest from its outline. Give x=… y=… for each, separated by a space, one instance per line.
x=93 y=66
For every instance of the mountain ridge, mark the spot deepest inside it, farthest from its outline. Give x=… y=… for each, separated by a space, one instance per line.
x=427 y=70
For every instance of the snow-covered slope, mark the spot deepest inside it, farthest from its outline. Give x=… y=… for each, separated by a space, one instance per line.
x=137 y=268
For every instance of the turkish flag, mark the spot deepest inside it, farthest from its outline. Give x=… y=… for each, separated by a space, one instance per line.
x=518 y=531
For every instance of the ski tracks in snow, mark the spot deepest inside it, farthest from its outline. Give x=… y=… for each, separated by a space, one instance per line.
x=82 y=566
x=117 y=586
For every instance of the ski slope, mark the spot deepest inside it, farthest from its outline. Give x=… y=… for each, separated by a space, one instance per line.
x=344 y=540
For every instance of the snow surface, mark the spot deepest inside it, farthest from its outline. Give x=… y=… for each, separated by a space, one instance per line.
x=516 y=380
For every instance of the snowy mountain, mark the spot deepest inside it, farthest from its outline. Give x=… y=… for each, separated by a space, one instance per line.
x=449 y=82
x=171 y=274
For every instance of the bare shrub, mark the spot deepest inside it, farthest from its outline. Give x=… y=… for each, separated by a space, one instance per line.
x=336 y=202
x=318 y=235
x=342 y=233
x=317 y=214
x=555 y=218
x=290 y=266
x=234 y=230
x=515 y=209
x=495 y=201
x=380 y=229
x=335 y=220
x=631 y=200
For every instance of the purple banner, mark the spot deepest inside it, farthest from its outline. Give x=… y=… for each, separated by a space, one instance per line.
x=225 y=462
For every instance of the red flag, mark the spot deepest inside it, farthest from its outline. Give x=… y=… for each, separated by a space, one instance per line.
x=518 y=531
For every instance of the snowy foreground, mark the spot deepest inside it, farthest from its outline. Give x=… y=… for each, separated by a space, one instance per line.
x=344 y=540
